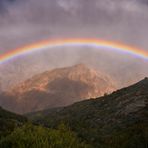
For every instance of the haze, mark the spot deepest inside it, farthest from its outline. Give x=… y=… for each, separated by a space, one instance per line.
x=24 y=22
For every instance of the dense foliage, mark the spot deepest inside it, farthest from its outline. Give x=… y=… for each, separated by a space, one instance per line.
x=30 y=136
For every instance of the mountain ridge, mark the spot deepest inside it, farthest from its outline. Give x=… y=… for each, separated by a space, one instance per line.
x=59 y=87
x=75 y=73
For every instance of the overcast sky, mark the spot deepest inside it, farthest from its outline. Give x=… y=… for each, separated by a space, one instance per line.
x=22 y=21
x=26 y=21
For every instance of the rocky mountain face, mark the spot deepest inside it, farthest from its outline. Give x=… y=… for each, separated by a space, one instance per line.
x=116 y=120
x=58 y=87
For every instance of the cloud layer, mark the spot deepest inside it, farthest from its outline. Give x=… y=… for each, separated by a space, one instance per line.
x=23 y=22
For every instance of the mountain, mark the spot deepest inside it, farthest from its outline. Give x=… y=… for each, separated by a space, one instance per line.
x=116 y=120
x=58 y=87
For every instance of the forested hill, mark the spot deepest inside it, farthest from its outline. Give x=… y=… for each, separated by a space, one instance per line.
x=117 y=120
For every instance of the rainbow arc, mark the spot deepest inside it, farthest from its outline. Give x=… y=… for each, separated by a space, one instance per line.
x=97 y=43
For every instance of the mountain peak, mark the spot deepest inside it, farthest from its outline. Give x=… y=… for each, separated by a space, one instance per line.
x=82 y=68
x=81 y=65
x=62 y=86
x=77 y=73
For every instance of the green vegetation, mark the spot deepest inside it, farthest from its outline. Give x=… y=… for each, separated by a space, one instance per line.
x=9 y=121
x=30 y=136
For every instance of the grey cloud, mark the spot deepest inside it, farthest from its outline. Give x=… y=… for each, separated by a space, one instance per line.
x=23 y=22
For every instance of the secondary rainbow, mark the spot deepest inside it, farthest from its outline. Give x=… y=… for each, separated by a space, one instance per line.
x=52 y=43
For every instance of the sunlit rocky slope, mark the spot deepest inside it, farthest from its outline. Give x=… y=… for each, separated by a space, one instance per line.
x=58 y=87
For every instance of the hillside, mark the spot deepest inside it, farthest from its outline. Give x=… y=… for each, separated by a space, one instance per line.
x=9 y=121
x=17 y=132
x=116 y=120
x=58 y=87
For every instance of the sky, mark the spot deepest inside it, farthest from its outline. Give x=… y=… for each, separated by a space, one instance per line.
x=23 y=22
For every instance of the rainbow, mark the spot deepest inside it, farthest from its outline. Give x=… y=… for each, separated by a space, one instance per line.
x=52 y=43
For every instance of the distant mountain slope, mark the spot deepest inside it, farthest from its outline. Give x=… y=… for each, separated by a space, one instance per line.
x=58 y=87
x=9 y=121
x=116 y=120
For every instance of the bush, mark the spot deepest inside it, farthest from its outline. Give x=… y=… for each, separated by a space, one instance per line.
x=30 y=136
